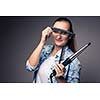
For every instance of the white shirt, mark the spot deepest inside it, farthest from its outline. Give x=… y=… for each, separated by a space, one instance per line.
x=44 y=71
x=46 y=67
x=43 y=75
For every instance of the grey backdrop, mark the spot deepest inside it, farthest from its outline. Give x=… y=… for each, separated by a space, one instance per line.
x=20 y=35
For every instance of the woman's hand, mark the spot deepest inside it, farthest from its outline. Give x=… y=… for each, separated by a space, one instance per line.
x=46 y=33
x=60 y=70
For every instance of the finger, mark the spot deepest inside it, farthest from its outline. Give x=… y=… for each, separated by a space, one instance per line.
x=57 y=69
x=49 y=29
x=61 y=66
x=48 y=32
x=59 y=72
x=60 y=69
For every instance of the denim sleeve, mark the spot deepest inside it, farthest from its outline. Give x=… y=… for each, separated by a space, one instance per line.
x=30 y=68
x=74 y=72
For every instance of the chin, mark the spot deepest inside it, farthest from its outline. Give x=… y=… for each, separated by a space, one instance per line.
x=59 y=45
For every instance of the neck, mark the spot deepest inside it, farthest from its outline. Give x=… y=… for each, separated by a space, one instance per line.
x=55 y=50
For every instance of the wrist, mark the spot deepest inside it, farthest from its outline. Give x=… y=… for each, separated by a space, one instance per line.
x=42 y=43
x=60 y=79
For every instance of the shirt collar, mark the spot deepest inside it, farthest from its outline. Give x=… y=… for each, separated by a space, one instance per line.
x=58 y=54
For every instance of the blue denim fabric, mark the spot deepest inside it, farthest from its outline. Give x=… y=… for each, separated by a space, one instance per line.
x=74 y=71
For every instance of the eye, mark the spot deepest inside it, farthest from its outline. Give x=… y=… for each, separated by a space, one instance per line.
x=55 y=31
x=64 y=33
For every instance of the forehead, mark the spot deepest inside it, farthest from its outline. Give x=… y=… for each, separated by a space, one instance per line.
x=62 y=25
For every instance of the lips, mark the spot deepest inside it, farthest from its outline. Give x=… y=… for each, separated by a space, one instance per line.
x=58 y=40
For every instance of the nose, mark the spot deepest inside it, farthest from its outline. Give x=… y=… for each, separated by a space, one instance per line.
x=58 y=36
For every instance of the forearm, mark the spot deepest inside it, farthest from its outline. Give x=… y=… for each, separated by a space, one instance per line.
x=34 y=57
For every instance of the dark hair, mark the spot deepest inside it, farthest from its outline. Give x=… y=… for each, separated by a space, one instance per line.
x=71 y=42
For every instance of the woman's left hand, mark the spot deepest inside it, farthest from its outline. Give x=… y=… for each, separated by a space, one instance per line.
x=60 y=70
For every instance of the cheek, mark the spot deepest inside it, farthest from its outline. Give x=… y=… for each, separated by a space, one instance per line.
x=66 y=39
x=53 y=35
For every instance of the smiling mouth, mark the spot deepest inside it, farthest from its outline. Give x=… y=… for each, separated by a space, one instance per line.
x=59 y=40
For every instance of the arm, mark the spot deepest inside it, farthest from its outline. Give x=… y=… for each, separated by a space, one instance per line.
x=34 y=57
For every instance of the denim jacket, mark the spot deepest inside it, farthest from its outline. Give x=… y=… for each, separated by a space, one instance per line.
x=73 y=75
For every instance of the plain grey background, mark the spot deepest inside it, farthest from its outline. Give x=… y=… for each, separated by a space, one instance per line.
x=20 y=35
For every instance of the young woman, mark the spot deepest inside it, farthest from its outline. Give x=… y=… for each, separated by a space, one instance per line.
x=46 y=58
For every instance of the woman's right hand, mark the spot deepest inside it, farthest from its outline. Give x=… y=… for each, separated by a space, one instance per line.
x=46 y=33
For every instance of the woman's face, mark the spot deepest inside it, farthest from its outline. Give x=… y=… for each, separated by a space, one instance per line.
x=61 y=39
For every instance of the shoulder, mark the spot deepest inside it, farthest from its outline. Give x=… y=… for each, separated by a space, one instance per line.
x=47 y=48
x=45 y=52
x=67 y=51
